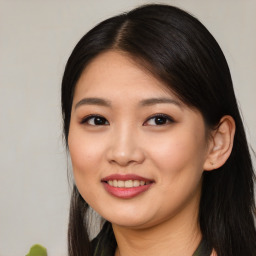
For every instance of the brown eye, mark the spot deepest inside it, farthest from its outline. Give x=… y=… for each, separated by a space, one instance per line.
x=95 y=120
x=159 y=120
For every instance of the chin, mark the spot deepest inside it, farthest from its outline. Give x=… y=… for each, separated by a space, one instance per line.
x=132 y=224
x=129 y=221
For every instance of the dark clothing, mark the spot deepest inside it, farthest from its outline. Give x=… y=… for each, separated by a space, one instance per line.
x=105 y=244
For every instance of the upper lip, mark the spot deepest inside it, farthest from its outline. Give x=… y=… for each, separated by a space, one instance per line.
x=125 y=177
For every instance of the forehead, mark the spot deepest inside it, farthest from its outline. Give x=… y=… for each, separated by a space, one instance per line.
x=115 y=72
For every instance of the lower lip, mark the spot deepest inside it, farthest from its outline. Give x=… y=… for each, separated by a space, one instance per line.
x=126 y=193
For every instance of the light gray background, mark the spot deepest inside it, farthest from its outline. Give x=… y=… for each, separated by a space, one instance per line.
x=36 y=38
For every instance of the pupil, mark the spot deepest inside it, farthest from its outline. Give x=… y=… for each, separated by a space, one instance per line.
x=160 y=120
x=99 y=121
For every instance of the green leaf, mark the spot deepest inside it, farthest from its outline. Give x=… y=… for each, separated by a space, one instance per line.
x=37 y=250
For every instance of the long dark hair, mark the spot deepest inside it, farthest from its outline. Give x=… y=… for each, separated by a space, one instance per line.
x=177 y=49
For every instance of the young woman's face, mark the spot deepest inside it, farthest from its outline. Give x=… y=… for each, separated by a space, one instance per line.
x=137 y=151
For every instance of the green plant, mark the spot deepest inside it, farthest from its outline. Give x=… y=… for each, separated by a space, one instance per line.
x=37 y=250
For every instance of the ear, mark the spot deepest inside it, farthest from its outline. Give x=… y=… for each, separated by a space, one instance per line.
x=220 y=144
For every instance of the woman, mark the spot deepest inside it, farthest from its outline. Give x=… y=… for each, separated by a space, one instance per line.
x=156 y=140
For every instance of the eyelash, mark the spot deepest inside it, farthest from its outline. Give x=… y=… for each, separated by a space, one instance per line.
x=167 y=119
x=88 y=118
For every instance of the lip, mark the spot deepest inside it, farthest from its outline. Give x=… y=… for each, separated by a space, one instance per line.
x=126 y=193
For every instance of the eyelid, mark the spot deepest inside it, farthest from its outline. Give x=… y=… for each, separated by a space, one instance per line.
x=169 y=118
x=88 y=117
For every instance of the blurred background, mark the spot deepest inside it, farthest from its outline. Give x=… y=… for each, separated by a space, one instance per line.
x=36 y=38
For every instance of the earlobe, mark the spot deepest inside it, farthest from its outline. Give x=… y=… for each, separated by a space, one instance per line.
x=221 y=144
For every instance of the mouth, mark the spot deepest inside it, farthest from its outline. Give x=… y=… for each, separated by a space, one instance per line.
x=127 y=183
x=126 y=186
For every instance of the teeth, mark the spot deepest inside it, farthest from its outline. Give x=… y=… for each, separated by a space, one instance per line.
x=127 y=183
x=136 y=183
x=120 y=183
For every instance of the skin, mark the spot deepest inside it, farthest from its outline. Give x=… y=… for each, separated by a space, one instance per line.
x=164 y=219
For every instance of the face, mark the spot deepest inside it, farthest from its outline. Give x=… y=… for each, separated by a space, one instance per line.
x=137 y=151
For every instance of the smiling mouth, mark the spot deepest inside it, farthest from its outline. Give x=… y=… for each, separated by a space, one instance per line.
x=127 y=183
x=126 y=186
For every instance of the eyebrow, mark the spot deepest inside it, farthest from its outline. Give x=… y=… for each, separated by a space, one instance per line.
x=93 y=101
x=153 y=101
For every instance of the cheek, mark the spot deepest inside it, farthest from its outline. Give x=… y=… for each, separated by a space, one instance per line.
x=178 y=155
x=86 y=158
x=84 y=150
x=81 y=155
x=179 y=163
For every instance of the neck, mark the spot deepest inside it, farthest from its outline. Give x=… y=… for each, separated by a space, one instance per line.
x=173 y=237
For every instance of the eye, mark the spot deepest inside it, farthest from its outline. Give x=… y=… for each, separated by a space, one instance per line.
x=95 y=120
x=159 y=119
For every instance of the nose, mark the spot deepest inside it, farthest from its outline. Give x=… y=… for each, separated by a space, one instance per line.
x=125 y=148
